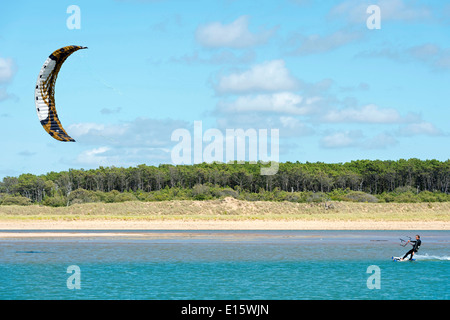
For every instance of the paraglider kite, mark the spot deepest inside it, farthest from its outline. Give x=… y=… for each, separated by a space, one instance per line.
x=45 y=93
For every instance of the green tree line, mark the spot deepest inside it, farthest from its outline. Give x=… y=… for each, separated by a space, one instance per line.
x=361 y=180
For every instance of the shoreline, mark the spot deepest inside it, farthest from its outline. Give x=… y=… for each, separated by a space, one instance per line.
x=225 y=214
x=46 y=228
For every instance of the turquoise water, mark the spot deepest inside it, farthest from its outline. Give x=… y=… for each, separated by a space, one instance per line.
x=226 y=265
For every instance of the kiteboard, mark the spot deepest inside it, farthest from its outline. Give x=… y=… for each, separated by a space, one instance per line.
x=399 y=259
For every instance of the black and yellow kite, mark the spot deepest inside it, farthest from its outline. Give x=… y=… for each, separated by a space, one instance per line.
x=45 y=93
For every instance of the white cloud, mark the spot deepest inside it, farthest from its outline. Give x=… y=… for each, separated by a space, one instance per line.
x=139 y=133
x=128 y=143
x=94 y=157
x=294 y=127
x=268 y=76
x=233 y=35
x=80 y=129
x=420 y=128
x=367 y=114
x=106 y=156
x=342 y=139
x=290 y=122
x=7 y=70
x=380 y=141
x=356 y=139
x=289 y=127
x=282 y=102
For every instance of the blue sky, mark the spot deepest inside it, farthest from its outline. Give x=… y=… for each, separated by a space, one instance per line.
x=336 y=90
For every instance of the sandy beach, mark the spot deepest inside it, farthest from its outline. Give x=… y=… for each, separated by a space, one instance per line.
x=119 y=228
x=225 y=214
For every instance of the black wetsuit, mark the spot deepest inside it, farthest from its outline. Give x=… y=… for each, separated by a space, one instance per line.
x=415 y=248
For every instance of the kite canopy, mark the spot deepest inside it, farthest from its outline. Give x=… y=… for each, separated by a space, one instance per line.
x=45 y=93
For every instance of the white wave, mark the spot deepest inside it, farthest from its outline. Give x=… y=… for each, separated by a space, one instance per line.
x=432 y=257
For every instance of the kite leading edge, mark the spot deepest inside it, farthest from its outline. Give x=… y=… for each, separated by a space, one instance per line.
x=45 y=93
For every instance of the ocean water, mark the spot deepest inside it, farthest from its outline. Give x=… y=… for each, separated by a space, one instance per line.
x=226 y=265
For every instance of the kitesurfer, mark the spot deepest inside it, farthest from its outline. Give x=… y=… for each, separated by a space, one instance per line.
x=416 y=244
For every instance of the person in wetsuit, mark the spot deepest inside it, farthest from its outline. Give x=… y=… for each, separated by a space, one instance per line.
x=416 y=244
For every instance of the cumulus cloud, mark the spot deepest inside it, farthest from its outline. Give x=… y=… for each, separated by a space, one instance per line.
x=356 y=139
x=107 y=156
x=283 y=102
x=288 y=126
x=420 y=128
x=342 y=139
x=233 y=35
x=368 y=114
x=294 y=127
x=380 y=141
x=268 y=76
x=127 y=143
x=96 y=156
x=139 y=133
